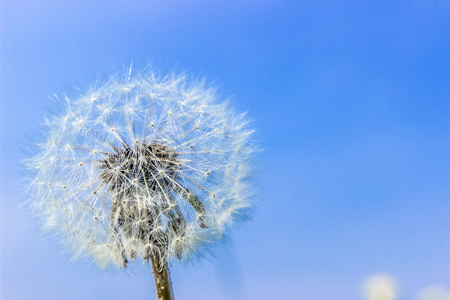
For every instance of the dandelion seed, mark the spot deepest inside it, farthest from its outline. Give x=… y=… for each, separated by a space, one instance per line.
x=141 y=191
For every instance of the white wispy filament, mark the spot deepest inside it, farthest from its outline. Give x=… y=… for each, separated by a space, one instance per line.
x=140 y=167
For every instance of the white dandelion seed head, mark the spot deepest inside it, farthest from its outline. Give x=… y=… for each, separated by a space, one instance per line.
x=142 y=167
x=380 y=287
x=434 y=292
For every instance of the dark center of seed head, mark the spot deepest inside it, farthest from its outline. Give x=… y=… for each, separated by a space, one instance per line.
x=150 y=166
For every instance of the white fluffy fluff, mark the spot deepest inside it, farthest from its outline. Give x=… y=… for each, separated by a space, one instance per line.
x=183 y=181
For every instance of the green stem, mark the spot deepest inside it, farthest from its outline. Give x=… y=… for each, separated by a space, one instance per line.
x=162 y=279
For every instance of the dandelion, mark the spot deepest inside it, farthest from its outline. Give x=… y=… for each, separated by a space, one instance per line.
x=434 y=292
x=380 y=287
x=148 y=167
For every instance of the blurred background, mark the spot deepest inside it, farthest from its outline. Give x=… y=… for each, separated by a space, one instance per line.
x=351 y=102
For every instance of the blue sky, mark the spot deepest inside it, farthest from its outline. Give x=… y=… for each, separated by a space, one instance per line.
x=350 y=100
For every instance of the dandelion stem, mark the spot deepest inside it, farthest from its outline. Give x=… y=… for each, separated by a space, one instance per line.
x=162 y=279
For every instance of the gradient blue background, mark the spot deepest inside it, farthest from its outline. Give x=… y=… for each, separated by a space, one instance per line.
x=351 y=102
